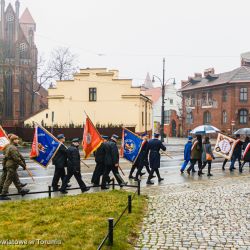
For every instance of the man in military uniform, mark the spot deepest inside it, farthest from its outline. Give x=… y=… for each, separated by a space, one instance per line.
x=4 y=171
x=154 y=147
x=99 y=159
x=60 y=162
x=143 y=157
x=112 y=163
x=74 y=167
x=12 y=160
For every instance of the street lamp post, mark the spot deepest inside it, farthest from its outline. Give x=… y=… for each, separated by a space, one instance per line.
x=163 y=84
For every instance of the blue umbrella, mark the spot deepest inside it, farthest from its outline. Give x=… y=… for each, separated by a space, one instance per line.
x=204 y=129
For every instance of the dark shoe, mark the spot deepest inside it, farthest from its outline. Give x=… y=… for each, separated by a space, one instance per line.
x=223 y=168
x=234 y=168
x=85 y=189
x=131 y=177
x=23 y=184
x=141 y=174
x=188 y=171
x=4 y=198
x=199 y=173
x=231 y=169
x=23 y=191
x=136 y=179
x=105 y=187
x=209 y=174
x=123 y=184
x=153 y=176
x=181 y=171
x=150 y=182
x=240 y=169
x=68 y=186
x=63 y=191
x=193 y=171
x=160 y=179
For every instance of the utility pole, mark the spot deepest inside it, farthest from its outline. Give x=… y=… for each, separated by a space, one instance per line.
x=163 y=101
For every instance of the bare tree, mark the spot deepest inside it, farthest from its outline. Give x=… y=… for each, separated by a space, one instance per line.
x=62 y=64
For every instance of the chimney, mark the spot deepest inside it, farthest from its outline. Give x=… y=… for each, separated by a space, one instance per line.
x=208 y=71
x=245 y=59
x=197 y=75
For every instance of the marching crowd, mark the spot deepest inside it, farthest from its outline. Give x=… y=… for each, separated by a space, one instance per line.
x=200 y=152
x=106 y=157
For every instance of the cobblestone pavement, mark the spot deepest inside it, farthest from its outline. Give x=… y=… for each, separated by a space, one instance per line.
x=203 y=214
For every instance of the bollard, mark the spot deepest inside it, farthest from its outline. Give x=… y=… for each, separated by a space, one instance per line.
x=113 y=183
x=129 y=204
x=139 y=187
x=111 y=226
x=49 y=191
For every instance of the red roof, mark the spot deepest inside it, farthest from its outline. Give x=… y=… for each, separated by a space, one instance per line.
x=155 y=93
x=26 y=17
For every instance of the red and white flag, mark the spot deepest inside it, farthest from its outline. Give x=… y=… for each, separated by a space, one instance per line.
x=34 y=148
x=4 y=140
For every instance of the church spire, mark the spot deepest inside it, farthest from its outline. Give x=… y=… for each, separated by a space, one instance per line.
x=17 y=4
x=2 y=18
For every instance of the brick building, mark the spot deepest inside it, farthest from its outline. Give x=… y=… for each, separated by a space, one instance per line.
x=221 y=100
x=19 y=97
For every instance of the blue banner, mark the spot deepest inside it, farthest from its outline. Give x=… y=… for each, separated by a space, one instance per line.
x=131 y=145
x=46 y=146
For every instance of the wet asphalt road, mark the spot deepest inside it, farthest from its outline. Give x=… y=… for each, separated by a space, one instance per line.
x=170 y=171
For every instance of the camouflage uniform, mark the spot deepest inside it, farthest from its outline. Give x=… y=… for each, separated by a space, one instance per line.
x=11 y=162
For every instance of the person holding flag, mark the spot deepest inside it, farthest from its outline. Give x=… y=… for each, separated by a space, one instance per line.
x=13 y=160
x=60 y=162
x=74 y=167
x=142 y=158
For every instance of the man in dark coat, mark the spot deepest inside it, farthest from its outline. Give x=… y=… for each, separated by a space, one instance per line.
x=143 y=157
x=74 y=167
x=60 y=162
x=246 y=154
x=154 y=147
x=99 y=159
x=112 y=163
x=236 y=153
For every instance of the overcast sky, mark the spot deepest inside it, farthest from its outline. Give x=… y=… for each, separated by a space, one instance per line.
x=134 y=35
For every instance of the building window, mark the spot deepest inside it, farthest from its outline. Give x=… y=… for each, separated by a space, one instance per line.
x=142 y=118
x=224 y=96
x=243 y=114
x=224 y=117
x=243 y=94
x=193 y=100
x=92 y=94
x=171 y=101
x=167 y=114
x=189 y=119
x=207 y=117
x=47 y=115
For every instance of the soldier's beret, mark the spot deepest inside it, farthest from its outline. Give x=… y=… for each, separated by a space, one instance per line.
x=76 y=140
x=156 y=134
x=115 y=136
x=60 y=136
x=105 y=137
x=190 y=138
x=144 y=134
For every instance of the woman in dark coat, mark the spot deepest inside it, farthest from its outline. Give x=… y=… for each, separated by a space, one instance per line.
x=207 y=156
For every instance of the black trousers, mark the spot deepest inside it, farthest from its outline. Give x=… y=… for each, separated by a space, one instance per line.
x=78 y=176
x=209 y=163
x=58 y=174
x=115 y=172
x=193 y=162
x=152 y=171
x=134 y=166
x=140 y=167
x=98 y=172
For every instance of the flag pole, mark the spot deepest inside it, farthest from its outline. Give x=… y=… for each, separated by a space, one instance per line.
x=121 y=170
x=30 y=174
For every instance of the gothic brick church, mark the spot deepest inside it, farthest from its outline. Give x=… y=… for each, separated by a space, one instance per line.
x=20 y=94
